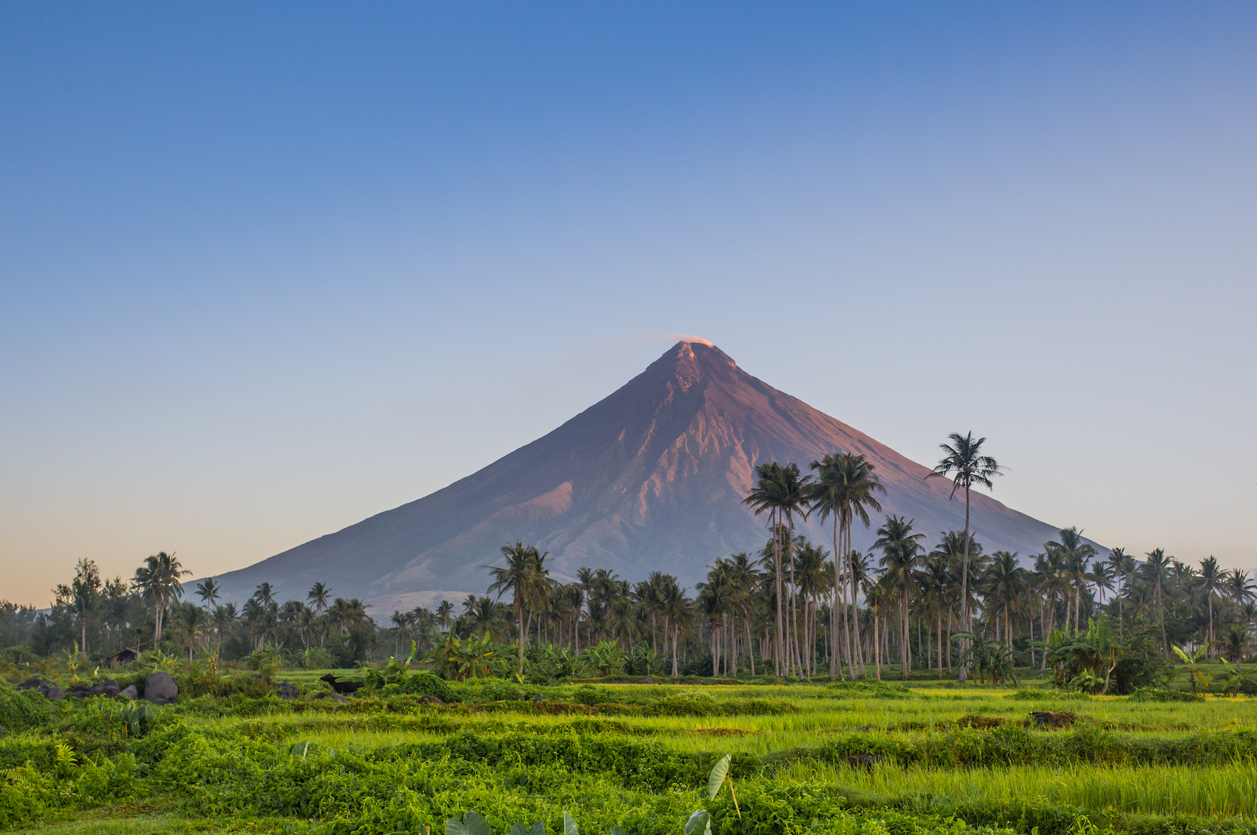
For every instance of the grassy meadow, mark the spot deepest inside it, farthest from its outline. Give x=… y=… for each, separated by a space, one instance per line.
x=852 y=758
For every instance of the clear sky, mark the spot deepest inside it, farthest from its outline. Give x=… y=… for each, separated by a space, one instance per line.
x=268 y=269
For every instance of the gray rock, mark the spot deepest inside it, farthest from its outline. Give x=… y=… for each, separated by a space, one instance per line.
x=287 y=691
x=129 y=692
x=105 y=687
x=55 y=693
x=160 y=688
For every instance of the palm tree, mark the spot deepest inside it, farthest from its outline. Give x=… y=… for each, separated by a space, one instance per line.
x=318 y=596
x=224 y=616
x=1123 y=567
x=264 y=594
x=1074 y=553
x=158 y=580
x=1238 y=587
x=770 y=493
x=519 y=577
x=443 y=612
x=1006 y=586
x=1157 y=569
x=844 y=489
x=1211 y=579
x=209 y=592
x=900 y=551
x=964 y=463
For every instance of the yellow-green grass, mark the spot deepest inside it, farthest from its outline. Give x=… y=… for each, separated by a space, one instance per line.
x=1223 y=791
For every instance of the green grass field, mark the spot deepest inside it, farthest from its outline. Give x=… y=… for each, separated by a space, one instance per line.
x=876 y=758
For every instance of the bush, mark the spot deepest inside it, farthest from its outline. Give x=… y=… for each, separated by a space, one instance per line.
x=23 y=711
x=426 y=684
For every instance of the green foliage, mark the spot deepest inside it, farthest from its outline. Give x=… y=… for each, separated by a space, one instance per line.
x=1238 y=681
x=136 y=717
x=21 y=711
x=1160 y=694
x=455 y=659
x=604 y=659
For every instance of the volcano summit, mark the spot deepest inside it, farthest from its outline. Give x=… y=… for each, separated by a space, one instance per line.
x=650 y=478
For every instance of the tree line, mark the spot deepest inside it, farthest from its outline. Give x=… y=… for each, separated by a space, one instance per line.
x=790 y=609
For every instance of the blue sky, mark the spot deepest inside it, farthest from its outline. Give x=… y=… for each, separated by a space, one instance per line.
x=265 y=271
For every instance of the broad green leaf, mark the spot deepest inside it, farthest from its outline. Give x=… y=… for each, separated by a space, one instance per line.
x=301 y=749
x=717 y=777
x=517 y=829
x=538 y=828
x=699 y=823
x=618 y=830
x=569 y=825
x=473 y=824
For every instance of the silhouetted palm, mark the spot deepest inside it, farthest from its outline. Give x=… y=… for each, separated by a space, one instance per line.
x=900 y=551
x=964 y=463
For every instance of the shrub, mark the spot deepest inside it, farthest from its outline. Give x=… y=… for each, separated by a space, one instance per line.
x=20 y=711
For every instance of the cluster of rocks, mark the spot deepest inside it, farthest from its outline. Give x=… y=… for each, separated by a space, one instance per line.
x=159 y=688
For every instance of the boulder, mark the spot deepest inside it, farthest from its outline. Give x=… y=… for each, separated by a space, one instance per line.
x=129 y=692
x=105 y=687
x=287 y=691
x=54 y=693
x=160 y=688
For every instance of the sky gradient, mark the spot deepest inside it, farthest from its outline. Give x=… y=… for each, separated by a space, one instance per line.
x=266 y=271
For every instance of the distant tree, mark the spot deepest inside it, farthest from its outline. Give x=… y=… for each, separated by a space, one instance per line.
x=844 y=489
x=82 y=596
x=964 y=463
x=158 y=580
x=1211 y=580
x=901 y=549
x=209 y=591
x=1156 y=570
x=318 y=597
x=518 y=576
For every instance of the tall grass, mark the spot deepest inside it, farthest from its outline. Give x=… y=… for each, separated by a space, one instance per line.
x=1214 y=792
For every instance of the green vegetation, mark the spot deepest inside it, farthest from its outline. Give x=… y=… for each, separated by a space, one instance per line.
x=762 y=704
x=854 y=757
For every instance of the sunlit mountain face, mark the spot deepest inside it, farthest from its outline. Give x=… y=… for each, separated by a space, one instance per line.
x=652 y=477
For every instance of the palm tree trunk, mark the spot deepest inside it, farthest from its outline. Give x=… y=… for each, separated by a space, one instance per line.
x=840 y=596
x=903 y=649
x=855 y=606
x=964 y=581
x=779 y=649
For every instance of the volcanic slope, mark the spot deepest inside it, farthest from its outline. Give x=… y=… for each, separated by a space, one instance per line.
x=650 y=478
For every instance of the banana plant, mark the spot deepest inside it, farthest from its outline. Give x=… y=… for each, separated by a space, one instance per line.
x=1195 y=673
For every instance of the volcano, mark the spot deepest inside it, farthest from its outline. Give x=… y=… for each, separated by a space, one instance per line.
x=650 y=478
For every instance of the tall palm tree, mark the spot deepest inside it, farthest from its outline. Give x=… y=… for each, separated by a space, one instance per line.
x=901 y=549
x=1211 y=580
x=1123 y=567
x=318 y=597
x=1238 y=587
x=1157 y=570
x=443 y=612
x=1006 y=586
x=769 y=494
x=519 y=576
x=844 y=489
x=210 y=592
x=158 y=580
x=224 y=618
x=965 y=464
x=1075 y=554
x=264 y=594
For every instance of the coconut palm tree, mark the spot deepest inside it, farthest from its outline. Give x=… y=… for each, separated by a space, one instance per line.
x=1005 y=587
x=519 y=576
x=1211 y=580
x=210 y=592
x=901 y=549
x=770 y=493
x=318 y=597
x=964 y=463
x=1075 y=553
x=443 y=612
x=1156 y=570
x=264 y=594
x=158 y=580
x=1123 y=567
x=844 y=489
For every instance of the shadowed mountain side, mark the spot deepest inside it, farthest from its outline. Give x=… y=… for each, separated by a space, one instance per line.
x=650 y=478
